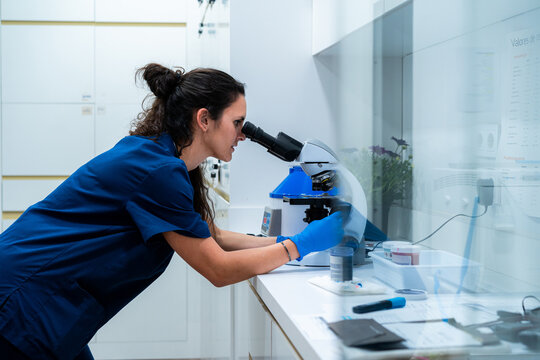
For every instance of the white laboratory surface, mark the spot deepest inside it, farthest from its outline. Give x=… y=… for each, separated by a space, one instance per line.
x=301 y=311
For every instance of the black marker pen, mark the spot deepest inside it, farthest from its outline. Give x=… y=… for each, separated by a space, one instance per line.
x=394 y=303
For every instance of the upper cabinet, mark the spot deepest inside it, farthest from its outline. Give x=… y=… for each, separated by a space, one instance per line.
x=334 y=20
x=47 y=63
x=48 y=10
x=171 y=11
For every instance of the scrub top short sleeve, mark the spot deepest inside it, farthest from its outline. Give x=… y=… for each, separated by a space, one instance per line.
x=164 y=202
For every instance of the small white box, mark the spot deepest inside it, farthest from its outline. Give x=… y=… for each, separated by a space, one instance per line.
x=438 y=272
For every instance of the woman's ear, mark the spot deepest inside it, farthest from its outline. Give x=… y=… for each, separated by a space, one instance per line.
x=202 y=119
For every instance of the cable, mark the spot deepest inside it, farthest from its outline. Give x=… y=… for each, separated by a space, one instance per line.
x=373 y=249
x=523 y=303
x=447 y=221
x=434 y=232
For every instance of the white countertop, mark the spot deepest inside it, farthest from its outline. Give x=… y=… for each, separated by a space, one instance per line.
x=297 y=306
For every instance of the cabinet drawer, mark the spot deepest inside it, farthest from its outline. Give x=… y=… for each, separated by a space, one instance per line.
x=46 y=139
x=21 y=193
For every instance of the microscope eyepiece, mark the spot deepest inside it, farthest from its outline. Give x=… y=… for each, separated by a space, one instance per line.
x=283 y=146
x=249 y=129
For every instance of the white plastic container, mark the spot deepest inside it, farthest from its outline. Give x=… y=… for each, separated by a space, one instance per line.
x=387 y=247
x=406 y=254
x=438 y=271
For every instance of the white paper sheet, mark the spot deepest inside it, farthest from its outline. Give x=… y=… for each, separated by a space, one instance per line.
x=431 y=309
x=432 y=335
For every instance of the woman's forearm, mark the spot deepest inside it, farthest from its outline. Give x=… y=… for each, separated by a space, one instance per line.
x=230 y=240
x=243 y=264
x=228 y=267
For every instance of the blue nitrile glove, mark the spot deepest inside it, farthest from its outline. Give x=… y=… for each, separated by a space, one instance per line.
x=319 y=235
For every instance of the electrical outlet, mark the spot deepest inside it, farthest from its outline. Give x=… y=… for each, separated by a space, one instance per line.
x=484 y=188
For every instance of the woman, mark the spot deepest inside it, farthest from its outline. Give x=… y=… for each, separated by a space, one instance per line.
x=73 y=260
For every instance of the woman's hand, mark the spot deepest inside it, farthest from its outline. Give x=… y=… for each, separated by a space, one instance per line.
x=320 y=235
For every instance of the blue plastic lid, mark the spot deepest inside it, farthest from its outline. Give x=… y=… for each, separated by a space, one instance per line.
x=296 y=184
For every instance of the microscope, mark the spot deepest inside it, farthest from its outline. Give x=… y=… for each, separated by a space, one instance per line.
x=321 y=164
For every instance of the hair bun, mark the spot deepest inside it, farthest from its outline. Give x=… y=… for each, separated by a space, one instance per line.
x=161 y=80
x=179 y=75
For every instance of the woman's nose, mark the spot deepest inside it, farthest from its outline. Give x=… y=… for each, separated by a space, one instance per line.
x=242 y=136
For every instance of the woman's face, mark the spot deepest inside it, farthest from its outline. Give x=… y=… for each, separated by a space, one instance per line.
x=226 y=132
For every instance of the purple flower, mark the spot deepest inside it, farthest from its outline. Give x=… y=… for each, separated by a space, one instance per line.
x=379 y=150
x=400 y=142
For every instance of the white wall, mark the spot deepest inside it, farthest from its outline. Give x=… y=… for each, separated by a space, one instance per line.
x=333 y=20
x=271 y=54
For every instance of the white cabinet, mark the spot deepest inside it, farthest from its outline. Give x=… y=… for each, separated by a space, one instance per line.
x=157 y=318
x=181 y=315
x=141 y=10
x=6 y=222
x=257 y=334
x=47 y=64
x=46 y=139
x=48 y=10
x=252 y=325
x=281 y=346
x=19 y=194
x=113 y=122
x=216 y=320
x=160 y=323
x=121 y=50
x=259 y=328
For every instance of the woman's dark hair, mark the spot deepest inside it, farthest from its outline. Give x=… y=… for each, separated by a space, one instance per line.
x=178 y=95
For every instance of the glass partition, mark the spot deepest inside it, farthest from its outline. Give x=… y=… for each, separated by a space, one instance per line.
x=475 y=128
x=438 y=110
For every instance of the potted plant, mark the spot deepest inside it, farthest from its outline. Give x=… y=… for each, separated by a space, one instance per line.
x=386 y=176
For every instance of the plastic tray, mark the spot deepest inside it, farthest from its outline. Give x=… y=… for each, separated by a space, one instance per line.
x=438 y=271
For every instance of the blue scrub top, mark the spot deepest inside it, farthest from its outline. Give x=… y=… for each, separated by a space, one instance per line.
x=73 y=260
